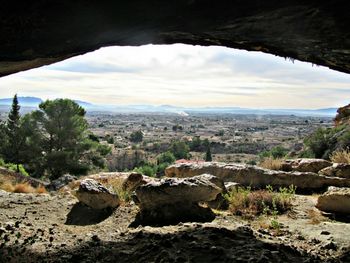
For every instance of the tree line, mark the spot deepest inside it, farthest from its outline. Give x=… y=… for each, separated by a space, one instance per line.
x=51 y=141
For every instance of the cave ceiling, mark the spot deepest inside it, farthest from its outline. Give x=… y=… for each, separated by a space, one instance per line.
x=41 y=32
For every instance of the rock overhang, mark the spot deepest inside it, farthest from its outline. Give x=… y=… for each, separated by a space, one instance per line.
x=38 y=33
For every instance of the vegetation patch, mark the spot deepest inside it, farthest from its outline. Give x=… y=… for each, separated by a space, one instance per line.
x=271 y=163
x=340 y=156
x=117 y=185
x=248 y=203
x=22 y=187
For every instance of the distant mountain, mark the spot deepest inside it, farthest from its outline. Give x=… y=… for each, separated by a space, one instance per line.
x=23 y=101
x=34 y=102
x=84 y=103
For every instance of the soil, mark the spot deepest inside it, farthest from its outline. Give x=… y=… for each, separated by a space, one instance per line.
x=56 y=228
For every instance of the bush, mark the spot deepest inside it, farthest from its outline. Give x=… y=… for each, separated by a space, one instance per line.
x=271 y=163
x=22 y=187
x=117 y=185
x=180 y=150
x=252 y=203
x=325 y=141
x=147 y=170
x=13 y=167
x=166 y=157
x=136 y=136
x=275 y=152
x=341 y=156
x=319 y=142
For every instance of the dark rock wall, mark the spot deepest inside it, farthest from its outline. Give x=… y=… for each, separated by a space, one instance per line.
x=35 y=33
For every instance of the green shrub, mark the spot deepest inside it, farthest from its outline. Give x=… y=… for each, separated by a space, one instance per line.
x=13 y=167
x=246 y=202
x=166 y=157
x=323 y=141
x=136 y=136
x=180 y=150
x=147 y=170
x=275 y=153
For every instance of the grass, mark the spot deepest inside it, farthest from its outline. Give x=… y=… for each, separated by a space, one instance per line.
x=21 y=187
x=267 y=202
x=315 y=216
x=340 y=156
x=117 y=185
x=271 y=163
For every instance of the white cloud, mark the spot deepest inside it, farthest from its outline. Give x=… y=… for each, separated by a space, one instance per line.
x=184 y=75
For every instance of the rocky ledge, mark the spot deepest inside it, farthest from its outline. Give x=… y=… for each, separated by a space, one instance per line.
x=254 y=176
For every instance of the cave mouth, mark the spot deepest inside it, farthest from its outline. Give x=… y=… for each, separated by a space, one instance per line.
x=186 y=76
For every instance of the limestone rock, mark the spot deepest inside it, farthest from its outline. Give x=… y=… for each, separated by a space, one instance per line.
x=305 y=165
x=256 y=177
x=61 y=182
x=175 y=190
x=343 y=116
x=231 y=186
x=335 y=200
x=95 y=195
x=134 y=180
x=174 y=200
x=337 y=170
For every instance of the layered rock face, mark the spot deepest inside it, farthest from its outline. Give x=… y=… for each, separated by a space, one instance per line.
x=36 y=33
x=249 y=175
x=335 y=200
x=337 y=170
x=305 y=165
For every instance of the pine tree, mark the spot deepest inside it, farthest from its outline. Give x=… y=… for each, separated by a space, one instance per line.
x=208 y=157
x=61 y=128
x=13 y=132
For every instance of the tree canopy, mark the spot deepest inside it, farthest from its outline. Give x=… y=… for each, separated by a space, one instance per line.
x=56 y=140
x=14 y=140
x=136 y=136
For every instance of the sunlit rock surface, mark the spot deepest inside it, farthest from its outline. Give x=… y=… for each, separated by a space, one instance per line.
x=250 y=175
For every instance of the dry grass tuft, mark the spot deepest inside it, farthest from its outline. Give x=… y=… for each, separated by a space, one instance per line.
x=315 y=216
x=340 y=156
x=252 y=203
x=41 y=190
x=272 y=164
x=7 y=186
x=23 y=188
x=117 y=185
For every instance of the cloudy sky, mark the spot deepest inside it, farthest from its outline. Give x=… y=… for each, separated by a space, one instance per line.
x=184 y=75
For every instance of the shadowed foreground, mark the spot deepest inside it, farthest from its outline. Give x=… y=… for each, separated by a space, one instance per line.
x=43 y=228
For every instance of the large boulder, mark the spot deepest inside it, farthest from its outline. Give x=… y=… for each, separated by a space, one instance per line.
x=305 y=165
x=337 y=170
x=175 y=190
x=250 y=175
x=335 y=200
x=173 y=200
x=95 y=195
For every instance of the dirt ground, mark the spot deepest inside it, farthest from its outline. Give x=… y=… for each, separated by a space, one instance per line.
x=55 y=228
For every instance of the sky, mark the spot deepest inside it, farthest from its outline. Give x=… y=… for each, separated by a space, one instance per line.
x=184 y=75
